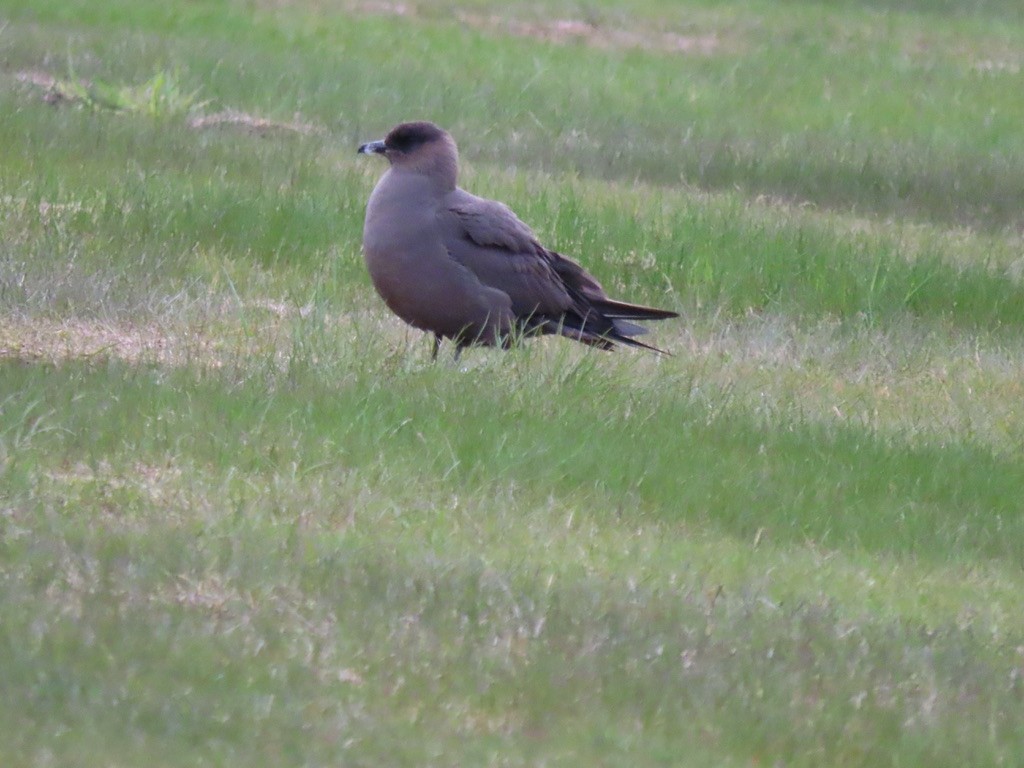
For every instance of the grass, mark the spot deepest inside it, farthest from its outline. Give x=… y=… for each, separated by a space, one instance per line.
x=244 y=519
x=159 y=97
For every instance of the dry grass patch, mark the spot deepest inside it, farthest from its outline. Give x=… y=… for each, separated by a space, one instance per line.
x=223 y=332
x=53 y=91
x=232 y=118
x=594 y=34
x=45 y=340
x=536 y=24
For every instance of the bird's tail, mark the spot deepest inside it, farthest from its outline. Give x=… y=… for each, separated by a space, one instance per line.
x=606 y=340
x=606 y=324
x=620 y=310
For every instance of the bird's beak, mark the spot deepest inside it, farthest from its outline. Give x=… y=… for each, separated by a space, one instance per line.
x=373 y=148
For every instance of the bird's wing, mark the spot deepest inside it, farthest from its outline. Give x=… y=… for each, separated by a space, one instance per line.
x=550 y=293
x=486 y=237
x=489 y=223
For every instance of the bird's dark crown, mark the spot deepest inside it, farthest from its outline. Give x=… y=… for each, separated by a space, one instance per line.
x=408 y=136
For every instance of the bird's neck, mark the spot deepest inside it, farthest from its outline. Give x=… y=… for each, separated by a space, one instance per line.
x=440 y=166
x=440 y=173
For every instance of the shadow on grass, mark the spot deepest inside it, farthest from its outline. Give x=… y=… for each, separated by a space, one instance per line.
x=654 y=451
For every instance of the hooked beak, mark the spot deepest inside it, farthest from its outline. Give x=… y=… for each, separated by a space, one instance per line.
x=373 y=148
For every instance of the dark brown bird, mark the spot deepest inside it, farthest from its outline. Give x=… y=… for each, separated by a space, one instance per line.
x=467 y=269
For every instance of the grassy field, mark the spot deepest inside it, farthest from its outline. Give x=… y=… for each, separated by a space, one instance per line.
x=244 y=520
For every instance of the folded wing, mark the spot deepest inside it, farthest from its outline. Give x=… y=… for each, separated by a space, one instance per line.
x=549 y=292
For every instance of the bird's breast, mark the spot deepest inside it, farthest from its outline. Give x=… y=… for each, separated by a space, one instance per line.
x=399 y=216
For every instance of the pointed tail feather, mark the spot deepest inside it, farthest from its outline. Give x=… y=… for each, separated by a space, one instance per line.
x=627 y=328
x=630 y=342
x=611 y=334
x=622 y=310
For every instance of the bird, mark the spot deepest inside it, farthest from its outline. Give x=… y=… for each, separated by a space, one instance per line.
x=466 y=268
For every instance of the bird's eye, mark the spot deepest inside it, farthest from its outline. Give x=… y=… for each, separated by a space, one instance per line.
x=403 y=142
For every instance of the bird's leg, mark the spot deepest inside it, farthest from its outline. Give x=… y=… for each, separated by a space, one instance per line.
x=436 y=347
x=458 y=353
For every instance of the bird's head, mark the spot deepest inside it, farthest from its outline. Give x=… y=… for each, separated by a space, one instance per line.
x=419 y=147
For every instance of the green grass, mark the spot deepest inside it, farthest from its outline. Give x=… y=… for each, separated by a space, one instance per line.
x=244 y=519
x=795 y=103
